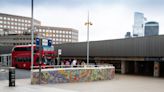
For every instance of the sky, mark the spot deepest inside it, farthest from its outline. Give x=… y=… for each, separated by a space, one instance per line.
x=111 y=19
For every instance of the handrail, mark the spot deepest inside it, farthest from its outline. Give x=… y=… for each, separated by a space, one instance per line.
x=71 y=66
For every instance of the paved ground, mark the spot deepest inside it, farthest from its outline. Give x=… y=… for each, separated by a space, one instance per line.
x=23 y=85
x=20 y=74
x=121 y=83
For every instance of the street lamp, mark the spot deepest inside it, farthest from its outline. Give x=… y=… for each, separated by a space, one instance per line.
x=32 y=34
x=88 y=24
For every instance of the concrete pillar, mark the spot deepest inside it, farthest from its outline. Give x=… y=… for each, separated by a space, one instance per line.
x=123 y=67
x=135 y=67
x=156 y=69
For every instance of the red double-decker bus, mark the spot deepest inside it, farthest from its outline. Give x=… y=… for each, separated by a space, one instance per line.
x=21 y=56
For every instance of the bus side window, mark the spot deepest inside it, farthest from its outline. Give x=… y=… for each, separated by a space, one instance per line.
x=25 y=59
x=37 y=60
x=36 y=49
x=28 y=59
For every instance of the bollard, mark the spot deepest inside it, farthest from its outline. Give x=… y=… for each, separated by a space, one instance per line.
x=12 y=77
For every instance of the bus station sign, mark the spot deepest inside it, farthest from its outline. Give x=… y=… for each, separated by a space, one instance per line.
x=44 y=42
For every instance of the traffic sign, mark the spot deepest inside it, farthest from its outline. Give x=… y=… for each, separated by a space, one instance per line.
x=37 y=41
x=49 y=42
x=44 y=42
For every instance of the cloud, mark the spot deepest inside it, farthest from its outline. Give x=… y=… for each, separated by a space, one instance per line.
x=84 y=3
x=4 y=3
x=111 y=18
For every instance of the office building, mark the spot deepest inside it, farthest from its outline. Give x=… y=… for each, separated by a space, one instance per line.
x=138 y=27
x=57 y=34
x=13 y=26
x=151 y=28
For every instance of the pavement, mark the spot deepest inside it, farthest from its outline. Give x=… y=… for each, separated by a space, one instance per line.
x=121 y=83
x=23 y=85
x=20 y=73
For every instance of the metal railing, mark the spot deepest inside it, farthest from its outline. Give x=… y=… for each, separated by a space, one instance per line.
x=72 y=66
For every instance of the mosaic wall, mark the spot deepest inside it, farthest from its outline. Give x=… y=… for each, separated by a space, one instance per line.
x=73 y=75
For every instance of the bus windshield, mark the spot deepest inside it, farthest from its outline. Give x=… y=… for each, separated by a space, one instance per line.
x=48 y=48
x=45 y=61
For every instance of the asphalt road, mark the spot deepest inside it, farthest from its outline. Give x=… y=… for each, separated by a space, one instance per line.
x=20 y=74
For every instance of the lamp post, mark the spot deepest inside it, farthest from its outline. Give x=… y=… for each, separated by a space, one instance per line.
x=32 y=35
x=88 y=24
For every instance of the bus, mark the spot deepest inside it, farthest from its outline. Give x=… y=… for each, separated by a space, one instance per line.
x=21 y=56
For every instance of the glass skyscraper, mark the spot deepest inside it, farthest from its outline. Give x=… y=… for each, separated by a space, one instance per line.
x=138 y=27
x=151 y=28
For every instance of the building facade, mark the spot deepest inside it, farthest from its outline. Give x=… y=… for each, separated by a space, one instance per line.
x=13 y=26
x=138 y=27
x=57 y=34
x=151 y=28
x=16 y=39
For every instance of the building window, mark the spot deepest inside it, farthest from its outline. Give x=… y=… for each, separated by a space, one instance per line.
x=8 y=23
x=12 y=19
x=29 y=21
x=4 y=22
x=4 y=26
x=40 y=30
x=8 y=26
x=19 y=24
x=8 y=18
x=4 y=18
x=19 y=20
x=25 y=21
